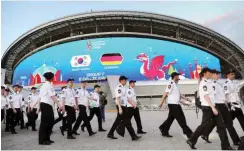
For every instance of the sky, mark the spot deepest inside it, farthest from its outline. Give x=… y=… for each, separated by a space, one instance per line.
x=226 y=17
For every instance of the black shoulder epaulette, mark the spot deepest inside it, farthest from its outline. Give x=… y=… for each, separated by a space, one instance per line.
x=215 y=81
x=129 y=88
x=79 y=88
x=119 y=85
x=205 y=80
x=226 y=81
x=171 y=82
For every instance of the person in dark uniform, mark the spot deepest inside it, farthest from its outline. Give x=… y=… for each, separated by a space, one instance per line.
x=15 y=101
x=3 y=102
x=234 y=102
x=207 y=98
x=172 y=93
x=47 y=98
x=60 y=113
x=68 y=99
x=9 y=111
x=94 y=108
x=132 y=108
x=23 y=103
x=122 y=118
x=82 y=101
x=223 y=109
x=102 y=103
x=33 y=102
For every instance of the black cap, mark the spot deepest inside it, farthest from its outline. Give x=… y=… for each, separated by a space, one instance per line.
x=20 y=86
x=83 y=81
x=204 y=70
x=132 y=81
x=230 y=71
x=122 y=78
x=70 y=79
x=96 y=86
x=7 y=90
x=48 y=75
x=33 y=88
x=15 y=85
x=63 y=87
x=174 y=74
x=215 y=71
x=2 y=87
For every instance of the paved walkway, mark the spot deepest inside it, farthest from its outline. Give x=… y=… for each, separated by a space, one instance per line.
x=28 y=140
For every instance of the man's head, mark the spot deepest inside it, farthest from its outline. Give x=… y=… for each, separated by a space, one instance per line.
x=83 y=84
x=132 y=83
x=230 y=74
x=7 y=91
x=20 y=88
x=206 y=73
x=123 y=80
x=49 y=76
x=15 y=88
x=70 y=83
x=2 y=90
x=97 y=88
x=175 y=77
x=33 y=89
x=215 y=74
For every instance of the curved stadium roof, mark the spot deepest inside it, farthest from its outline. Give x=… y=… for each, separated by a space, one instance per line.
x=122 y=23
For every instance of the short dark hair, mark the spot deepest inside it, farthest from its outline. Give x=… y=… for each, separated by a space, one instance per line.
x=70 y=79
x=122 y=78
x=96 y=86
x=48 y=75
x=174 y=74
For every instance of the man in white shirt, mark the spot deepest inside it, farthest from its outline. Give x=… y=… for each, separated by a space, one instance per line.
x=94 y=108
x=33 y=102
x=132 y=108
x=47 y=97
x=68 y=99
x=15 y=101
x=207 y=98
x=231 y=92
x=82 y=101
x=221 y=104
x=172 y=93
x=23 y=104
x=122 y=120
x=3 y=102
x=9 y=111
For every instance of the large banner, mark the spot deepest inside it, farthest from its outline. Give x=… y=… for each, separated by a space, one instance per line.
x=94 y=59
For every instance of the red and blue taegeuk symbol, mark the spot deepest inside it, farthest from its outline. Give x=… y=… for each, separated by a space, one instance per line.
x=80 y=60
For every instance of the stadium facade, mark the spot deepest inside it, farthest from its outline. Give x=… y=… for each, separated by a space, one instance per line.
x=132 y=27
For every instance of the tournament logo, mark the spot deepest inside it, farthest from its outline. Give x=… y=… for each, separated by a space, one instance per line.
x=80 y=61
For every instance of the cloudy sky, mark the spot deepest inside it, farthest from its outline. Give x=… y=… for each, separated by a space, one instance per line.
x=224 y=17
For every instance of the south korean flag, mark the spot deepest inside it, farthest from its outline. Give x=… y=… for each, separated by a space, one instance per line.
x=80 y=61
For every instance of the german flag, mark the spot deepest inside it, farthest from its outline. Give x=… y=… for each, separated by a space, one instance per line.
x=110 y=59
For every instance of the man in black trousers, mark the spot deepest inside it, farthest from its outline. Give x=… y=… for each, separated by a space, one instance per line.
x=132 y=108
x=47 y=98
x=82 y=100
x=122 y=118
x=94 y=108
x=221 y=105
x=9 y=111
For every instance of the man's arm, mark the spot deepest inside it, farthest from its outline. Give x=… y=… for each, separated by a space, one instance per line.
x=185 y=98
x=163 y=98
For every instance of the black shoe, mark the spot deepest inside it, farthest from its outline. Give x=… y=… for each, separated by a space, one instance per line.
x=121 y=134
x=50 y=141
x=13 y=132
x=136 y=138
x=26 y=126
x=7 y=130
x=112 y=137
x=206 y=139
x=228 y=148
x=34 y=130
x=237 y=143
x=161 y=130
x=75 y=133
x=190 y=144
x=71 y=137
x=166 y=135
x=141 y=132
x=102 y=130
x=83 y=128
x=22 y=127
x=45 y=143
x=92 y=133
x=62 y=131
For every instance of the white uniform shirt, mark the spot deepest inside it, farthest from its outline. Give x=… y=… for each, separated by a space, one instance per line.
x=206 y=88
x=120 y=91
x=69 y=96
x=231 y=89
x=3 y=101
x=33 y=99
x=16 y=100
x=95 y=96
x=220 y=95
x=46 y=92
x=82 y=95
x=131 y=95
x=173 y=93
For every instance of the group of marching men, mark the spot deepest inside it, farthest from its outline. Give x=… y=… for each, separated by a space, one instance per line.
x=220 y=105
